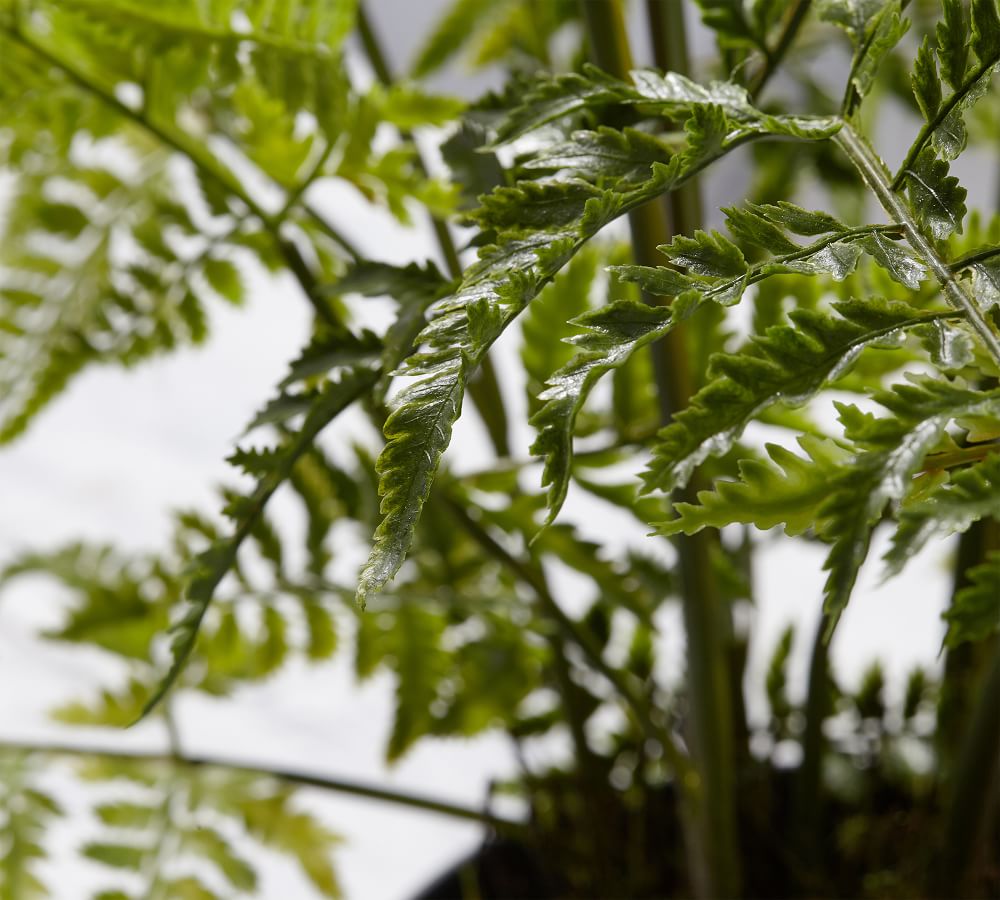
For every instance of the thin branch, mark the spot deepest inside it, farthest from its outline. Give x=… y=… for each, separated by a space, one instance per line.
x=794 y=18
x=971 y=259
x=876 y=176
x=291 y=776
x=710 y=820
x=527 y=573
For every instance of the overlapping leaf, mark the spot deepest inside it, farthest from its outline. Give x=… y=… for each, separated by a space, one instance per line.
x=970 y=495
x=788 y=363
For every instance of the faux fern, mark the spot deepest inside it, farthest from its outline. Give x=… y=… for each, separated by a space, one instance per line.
x=680 y=378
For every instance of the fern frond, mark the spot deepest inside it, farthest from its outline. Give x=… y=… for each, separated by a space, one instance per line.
x=612 y=334
x=510 y=274
x=787 y=490
x=26 y=812
x=196 y=811
x=970 y=495
x=722 y=273
x=210 y=567
x=921 y=411
x=957 y=34
x=789 y=363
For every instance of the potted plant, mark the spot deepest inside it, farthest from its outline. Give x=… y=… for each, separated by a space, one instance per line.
x=164 y=158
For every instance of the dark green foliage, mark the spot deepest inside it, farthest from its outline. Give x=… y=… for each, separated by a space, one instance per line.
x=975 y=614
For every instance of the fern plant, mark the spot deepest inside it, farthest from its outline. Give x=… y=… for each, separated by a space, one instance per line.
x=161 y=159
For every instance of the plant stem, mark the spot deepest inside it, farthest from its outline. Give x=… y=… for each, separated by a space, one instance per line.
x=484 y=389
x=532 y=576
x=877 y=177
x=713 y=844
x=808 y=779
x=794 y=17
x=305 y=779
x=976 y=779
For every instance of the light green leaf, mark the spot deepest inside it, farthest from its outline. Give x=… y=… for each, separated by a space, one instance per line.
x=787 y=490
x=789 y=363
x=951 y=508
x=937 y=198
x=612 y=334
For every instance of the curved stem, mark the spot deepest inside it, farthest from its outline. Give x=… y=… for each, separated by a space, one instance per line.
x=531 y=576
x=876 y=176
x=304 y=779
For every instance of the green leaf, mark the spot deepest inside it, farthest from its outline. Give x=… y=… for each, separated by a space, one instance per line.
x=706 y=254
x=975 y=612
x=789 y=363
x=546 y=324
x=882 y=32
x=212 y=565
x=892 y=256
x=28 y=814
x=450 y=34
x=920 y=412
x=407 y=106
x=971 y=494
x=787 y=490
x=209 y=843
x=750 y=226
x=118 y=856
x=224 y=278
x=798 y=220
x=728 y=19
x=985 y=31
x=952 y=34
x=604 y=153
x=926 y=86
x=776 y=680
x=853 y=16
x=937 y=198
x=612 y=334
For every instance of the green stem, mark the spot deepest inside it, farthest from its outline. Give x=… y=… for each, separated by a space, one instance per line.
x=532 y=576
x=976 y=256
x=305 y=779
x=976 y=779
x=794 y=17
x=711 y=829
x=876 y=176
x=808 y=794
x=485 y=388
x=670 y=53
